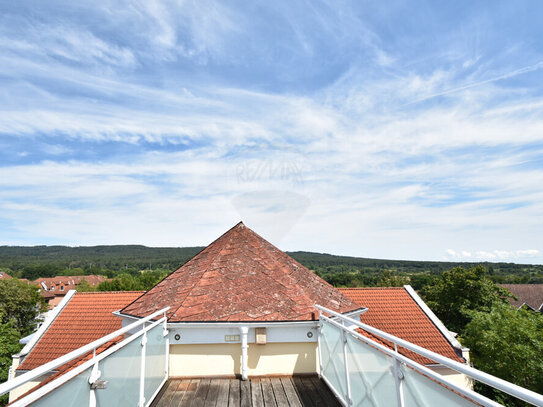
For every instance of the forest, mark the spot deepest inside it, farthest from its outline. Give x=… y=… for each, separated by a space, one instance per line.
x=134 y=260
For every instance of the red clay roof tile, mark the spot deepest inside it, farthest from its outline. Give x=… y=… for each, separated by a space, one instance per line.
x=240 y=277
x=393 y=310
x=86 y=317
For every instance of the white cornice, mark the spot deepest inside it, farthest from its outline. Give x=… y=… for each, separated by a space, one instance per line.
x=433 y=317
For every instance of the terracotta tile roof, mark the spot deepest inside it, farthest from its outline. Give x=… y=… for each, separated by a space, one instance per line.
x=529 y=294
x=86 y=317
x=67 y=282
x=4 y=275
x=394 y=311
x=241 y=277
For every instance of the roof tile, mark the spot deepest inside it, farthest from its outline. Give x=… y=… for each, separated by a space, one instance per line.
x=393 y=310
x=86 y=317
x=241 y=274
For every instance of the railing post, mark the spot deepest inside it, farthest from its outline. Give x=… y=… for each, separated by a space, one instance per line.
x=95 y=375
x=142 y=368
x=398 y=379
x=348 y=397
x=167 y=344
x=319 y=350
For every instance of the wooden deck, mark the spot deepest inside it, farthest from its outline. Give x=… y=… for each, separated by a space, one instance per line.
x=266 y=392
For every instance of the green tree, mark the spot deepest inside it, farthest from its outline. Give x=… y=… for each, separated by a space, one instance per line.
x=123 y=282
x=84 y=286
x=9 y=345
x=20 y=305
x=507 y=343
x=390 y=279
x=457 y=292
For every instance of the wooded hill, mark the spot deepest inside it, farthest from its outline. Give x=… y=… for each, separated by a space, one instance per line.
x=45 y=261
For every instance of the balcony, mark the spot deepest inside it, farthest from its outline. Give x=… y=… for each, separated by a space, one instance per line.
x=130 y=367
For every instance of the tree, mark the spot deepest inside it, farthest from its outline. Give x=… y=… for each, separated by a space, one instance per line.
x=390 y=279
x=20 y=305
x=123 y=282
x=84 y=286
x=9 y=345
x=507 y=343
x=457 y=292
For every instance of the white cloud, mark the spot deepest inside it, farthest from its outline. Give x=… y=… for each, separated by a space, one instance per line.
x=493 y=255
x=382 y=176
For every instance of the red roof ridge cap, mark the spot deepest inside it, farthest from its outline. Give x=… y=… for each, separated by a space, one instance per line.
x=110 y=292
x=370 y=288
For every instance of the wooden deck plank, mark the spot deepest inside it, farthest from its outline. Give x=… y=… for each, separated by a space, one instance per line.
x=324 y=392
x=303 y=393
x=290 y=392
x=199 y=396
x=245 y=393
x=313 y=392
x=279 y=393
x=234 y=393
x=161 y=400
x=224 y=390
x=212 y=394
x=185 y=391
x=256 y=393
x=267 y=393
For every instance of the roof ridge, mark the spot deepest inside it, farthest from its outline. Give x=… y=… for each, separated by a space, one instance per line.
x=109 y=292
x=197 y=255
x=370 y=288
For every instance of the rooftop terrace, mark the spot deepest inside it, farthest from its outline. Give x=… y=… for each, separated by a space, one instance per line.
x=306 y=391
x=357 y=370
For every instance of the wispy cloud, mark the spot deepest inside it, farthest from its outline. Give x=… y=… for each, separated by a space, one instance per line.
x=493 y=256
x=333 y=127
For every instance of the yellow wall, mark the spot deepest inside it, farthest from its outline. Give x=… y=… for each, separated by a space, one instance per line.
x=225 y=359
x=457 y=378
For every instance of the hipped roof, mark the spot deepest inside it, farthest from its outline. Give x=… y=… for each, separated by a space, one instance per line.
x=241 y=277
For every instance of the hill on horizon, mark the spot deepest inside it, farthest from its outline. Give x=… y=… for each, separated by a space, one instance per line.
x=43 y=261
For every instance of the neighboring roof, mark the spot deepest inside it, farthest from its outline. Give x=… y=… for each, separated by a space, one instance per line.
x=241 y=277
x=68 y=280
x=85 y=318
x=527 y=294
x=395 y=311
x=4 y=275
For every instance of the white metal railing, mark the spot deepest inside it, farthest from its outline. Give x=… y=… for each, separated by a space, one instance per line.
x=124 y=362
x=361 y=371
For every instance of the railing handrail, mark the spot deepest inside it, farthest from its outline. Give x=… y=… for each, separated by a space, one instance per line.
x=39 y=371
x=500 y=384
x=470 y=394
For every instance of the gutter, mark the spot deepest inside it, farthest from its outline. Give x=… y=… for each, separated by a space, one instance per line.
x=223 y=324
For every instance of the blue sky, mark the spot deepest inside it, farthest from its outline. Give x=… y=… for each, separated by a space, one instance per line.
x=407 y=130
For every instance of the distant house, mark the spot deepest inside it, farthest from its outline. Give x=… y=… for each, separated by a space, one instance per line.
x=399 y=311
x=529 y=295
x=4 y=275
x=54 y=288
